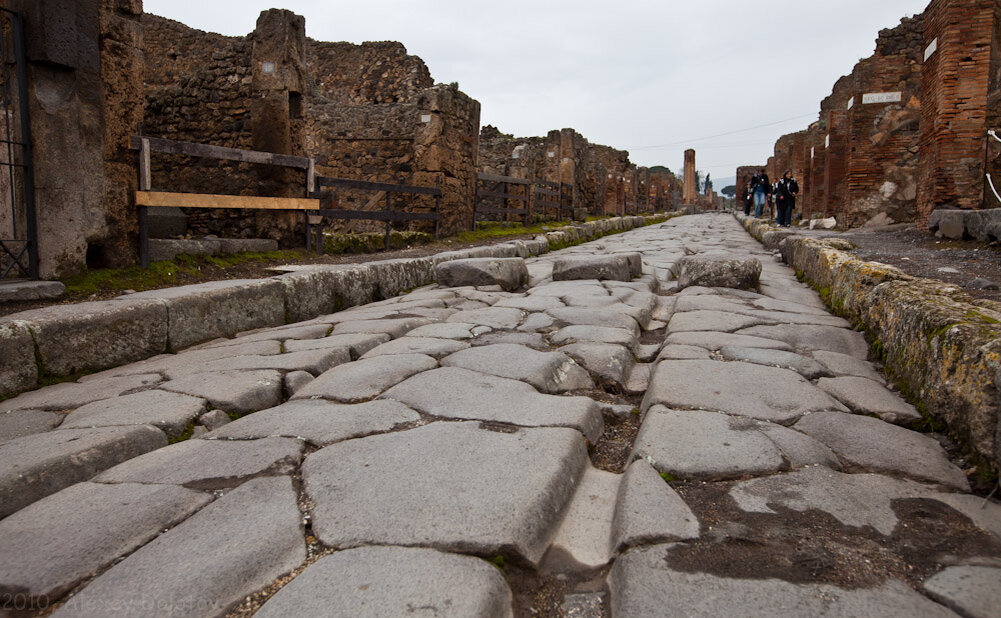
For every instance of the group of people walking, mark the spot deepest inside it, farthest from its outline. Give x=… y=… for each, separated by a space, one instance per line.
x=759 y=192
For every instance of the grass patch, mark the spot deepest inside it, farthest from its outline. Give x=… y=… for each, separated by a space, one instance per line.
x=489 y=230
x=184 y=435
x=668 y=477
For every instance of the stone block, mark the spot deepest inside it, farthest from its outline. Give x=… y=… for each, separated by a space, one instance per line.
x=236 y=245
x=984 y=225
x=161 y=249
x=950 y=223
x=96 y=335
x=206 y=311
x=309 y=294
x=509 y=273
x=18 y=370
x=11 y=291
x=600 y=267
x=166 y=222
x=717 y=272
x=38 y=465
x=396 y=277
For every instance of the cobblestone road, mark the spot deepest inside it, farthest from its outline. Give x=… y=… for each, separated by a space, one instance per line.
x=580 y=448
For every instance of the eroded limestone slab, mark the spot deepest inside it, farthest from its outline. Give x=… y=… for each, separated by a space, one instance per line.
x=648 y=510
x=314 y=362
x=409 y=344
x=865 y=396
x=171 y=412
x=973 y=591
x=365 y=379
x=19 y=423
x=357 y=343
x=810 y=337
x=703 y=320
x=608 y=362
x=599 y=267
x=392 y=327
x=550 y=372
x=842 y=365
x=18 y=369
x=70 y=395
x=715 y=341
x=804 y=366
x=508 y=273
x=233 y=391
x=501 y=318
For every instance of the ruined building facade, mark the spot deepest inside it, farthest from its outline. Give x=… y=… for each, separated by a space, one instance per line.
x=906 y=132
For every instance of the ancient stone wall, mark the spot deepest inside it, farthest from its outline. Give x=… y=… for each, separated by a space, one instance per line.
x=688 y=196
x=993 y=159
x=350 y=74
x=958 y=35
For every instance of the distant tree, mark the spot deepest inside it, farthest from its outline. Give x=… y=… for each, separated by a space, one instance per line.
x=698 y=181
x=661 y=168
x=729 y=191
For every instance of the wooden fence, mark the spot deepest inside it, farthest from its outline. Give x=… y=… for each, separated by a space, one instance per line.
x=495 y=195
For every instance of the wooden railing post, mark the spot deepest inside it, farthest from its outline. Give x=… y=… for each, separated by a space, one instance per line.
x=145 y=184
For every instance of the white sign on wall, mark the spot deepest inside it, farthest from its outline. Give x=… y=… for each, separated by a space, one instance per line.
x=931 y=49
x=813 y=151
x=827 y=141
x=268 y=67
x=425 y=117
x=881 y=97
x=851 y=102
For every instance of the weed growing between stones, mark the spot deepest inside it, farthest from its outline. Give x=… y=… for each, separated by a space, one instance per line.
x=184 y=435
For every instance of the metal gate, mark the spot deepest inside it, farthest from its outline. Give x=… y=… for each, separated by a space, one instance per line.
x=18 y=233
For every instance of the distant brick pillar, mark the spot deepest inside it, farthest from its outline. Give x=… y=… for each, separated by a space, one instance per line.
x=689 y=195
x=954 y=85
x=276 y=111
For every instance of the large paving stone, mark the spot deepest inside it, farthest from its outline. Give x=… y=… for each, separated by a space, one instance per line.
x=864 y=396
x=717 y=271
x=233 y=391
x=171 y=412
x=365 y=379
x=804 y=366
x=711 y=320
x=454 y=392
x=70 y=395
x=550 y=372
x=743 y=389
x=450 y=486
x=282 y=333
x=450 y=330
x=204 y=311
x=35 y=466
x=608 y=362
x=431 y=346
x=18 y=369
x=501 y=318
x=583 y=540
x=531 y=302
x=809 y=337
x=683 y=352
x=318 y=421
x=18 y=423
x=235 y=546
x=314 y=362
x=61 y=540
x=600 y=267
x=372 y=582
x=192 y=357
x=642 y=583
x=95 y=335
x=356 y=343
x=973 y=591
x=580 y=316
x=209 y=464
x=841 y=365
x=877 y=446
x=596 y=334
x=648 y=510
x=531 y=340
x=508 y=273
x=715 y=341
x=393 y=327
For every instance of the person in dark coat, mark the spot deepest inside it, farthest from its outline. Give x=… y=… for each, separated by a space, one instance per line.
x=747 y=198
x=785 y=198
x=761 y=189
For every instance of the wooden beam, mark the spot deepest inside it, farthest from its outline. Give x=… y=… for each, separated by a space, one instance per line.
x=207 y=200
x=508 y=179
x=192 y=149
x=346 y=183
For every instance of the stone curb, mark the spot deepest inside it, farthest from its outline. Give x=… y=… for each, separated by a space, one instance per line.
x=940 y=346
x=64 y=340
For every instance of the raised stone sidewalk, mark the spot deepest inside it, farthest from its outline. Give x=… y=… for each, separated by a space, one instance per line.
x=606 y=446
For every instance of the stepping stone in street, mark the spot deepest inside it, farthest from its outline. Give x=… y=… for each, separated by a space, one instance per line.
x=806 y=367
x=855 y=500
x=373 y=582
x=356 y=343
x=450 y=330
x=864 y=396
x=57 y=542
x=209 y=464
x=450 y=486
x=318 y=421
x=35 y=466
x=648 y=510
x=842 y=365
x=695 y=444
x=232 y=391
x=549 y=372
x=877 y=446
x=599 y=267
x=392 y=327
x=20 y=423
x=968 y=590
x=717 y=271
x=743 y=389
x=642 y=584
x=716 y=340
x=508 y=273
x=71 y=395
x=233 y=547
x=171 y=412
x=500 y=318
x=809 y=338
x=454 y=392
x=364 y=379
x=408 y=344
x=711 y=320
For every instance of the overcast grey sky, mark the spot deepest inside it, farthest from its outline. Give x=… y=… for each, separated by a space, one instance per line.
x=650 y=77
